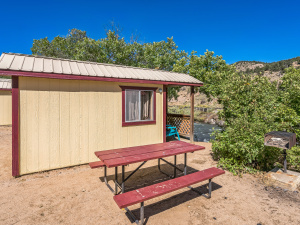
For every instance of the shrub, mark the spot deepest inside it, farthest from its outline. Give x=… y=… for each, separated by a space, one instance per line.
x=293 y=158
x=252 y=107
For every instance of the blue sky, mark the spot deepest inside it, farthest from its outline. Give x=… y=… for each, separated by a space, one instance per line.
x=238 y=30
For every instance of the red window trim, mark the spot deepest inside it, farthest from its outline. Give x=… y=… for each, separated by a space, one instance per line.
x=124 y=123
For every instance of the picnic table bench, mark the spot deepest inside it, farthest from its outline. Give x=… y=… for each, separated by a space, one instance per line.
x=146 y=193
x=141 y=154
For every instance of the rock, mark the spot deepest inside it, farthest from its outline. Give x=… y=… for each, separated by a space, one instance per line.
x=287 y=181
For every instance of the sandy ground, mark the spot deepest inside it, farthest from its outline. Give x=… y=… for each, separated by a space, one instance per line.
x=77 y=196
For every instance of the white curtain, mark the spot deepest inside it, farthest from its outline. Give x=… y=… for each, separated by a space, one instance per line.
x=138 y=102
x=146 y=105
x=132 y=105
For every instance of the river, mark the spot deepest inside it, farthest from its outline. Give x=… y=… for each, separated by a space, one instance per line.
x=203 y=131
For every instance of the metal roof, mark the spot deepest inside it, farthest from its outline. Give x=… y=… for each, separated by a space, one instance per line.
x=41 y=64
x=5 y=83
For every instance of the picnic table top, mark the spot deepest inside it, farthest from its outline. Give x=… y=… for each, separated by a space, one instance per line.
x=126 y=156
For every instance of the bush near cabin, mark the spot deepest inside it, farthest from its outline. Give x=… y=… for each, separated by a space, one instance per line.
x=254 y=106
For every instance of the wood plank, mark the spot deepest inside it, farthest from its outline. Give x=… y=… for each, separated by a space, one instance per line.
x=149 y=156
x=23 y=125
x=92 y=120
x=151 y=146
x=15 y=127
x=84 y=122
x=54 y=141
x=96 y=164
x=65 y=156
x=138 y=151
x=192 y=115
x=156 y=190
x=75 y=122
x=101 y=117
x=44 y=124
x=165 y=111
x=32 y=131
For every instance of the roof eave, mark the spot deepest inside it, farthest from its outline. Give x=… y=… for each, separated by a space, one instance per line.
x=94 y=78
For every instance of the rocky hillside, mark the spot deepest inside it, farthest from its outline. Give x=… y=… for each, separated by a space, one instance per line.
x=274 y=70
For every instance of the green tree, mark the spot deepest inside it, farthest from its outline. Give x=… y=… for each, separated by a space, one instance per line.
x=290 y=88
x=112 y=49
x=252 y=107
x=212 y=70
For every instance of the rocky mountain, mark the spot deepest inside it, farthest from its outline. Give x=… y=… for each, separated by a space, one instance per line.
x=274 y=70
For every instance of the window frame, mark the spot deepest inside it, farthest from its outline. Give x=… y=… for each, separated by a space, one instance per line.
x=139 y=122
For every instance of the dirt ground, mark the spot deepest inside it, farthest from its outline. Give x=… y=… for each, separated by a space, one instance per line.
x=77 y=196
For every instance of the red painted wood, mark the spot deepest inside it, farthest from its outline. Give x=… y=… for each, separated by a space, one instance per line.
x=150 y=156
x=138 y=151
x=124 y=123
x=123 y=107
x=76 y=77
x=152 y=146
x=97 y=164
x=192 y=99
x=138 y=88
x=156 y=190
x=15 y=126
x=165 y=102
x=5 y=89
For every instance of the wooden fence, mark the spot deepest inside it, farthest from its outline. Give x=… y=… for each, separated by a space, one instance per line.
x=181 y=122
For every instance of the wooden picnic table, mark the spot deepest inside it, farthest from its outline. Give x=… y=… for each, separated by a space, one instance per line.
x=126 y=156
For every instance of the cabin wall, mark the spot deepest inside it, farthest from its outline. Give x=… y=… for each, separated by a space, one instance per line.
x=5 y=108
x=63 y=122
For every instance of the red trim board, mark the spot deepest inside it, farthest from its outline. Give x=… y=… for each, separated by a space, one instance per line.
x=165 y=99
x=5 y=89
x=76 y=77
x=15 y=126
x=124 y=123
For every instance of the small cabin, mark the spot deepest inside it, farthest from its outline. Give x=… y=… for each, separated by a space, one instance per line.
x=5 y=102
x=65 y=110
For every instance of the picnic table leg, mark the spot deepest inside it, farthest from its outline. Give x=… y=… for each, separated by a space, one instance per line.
x=105 y=179
x=142 y=214
x=175 y=159
x=185 y=157
x=123 y=177
x=116 y=180
x=209 y=188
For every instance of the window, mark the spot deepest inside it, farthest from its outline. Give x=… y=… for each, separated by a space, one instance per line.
x=138 y=106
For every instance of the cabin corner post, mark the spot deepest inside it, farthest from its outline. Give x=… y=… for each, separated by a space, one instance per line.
x=192 y=115
x=15 y=126
x=165 y=102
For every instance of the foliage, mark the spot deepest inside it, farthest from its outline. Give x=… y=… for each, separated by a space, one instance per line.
x=208 y=68
x=293 y=157
x=5 y=77
x=291 y=89
x=112 y=49
x=252 y=106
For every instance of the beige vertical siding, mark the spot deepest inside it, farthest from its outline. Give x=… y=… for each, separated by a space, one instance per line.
x=63 y=122
x=5 y=108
